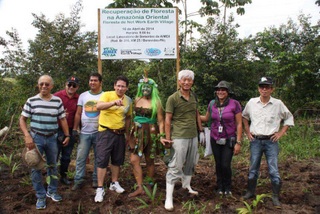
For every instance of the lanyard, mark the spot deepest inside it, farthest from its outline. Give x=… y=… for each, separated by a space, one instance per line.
x=220 y=113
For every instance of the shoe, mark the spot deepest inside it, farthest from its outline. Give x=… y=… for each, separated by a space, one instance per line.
x=228 y=193
x=54 y=196
x=77 y=186
x=115 y=186
x=41 y=204
x=220 y=192
x=64 y=180
x=94 y=184
x=99 y=195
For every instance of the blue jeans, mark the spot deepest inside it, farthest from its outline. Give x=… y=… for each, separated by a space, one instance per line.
x=271 y=151
x=65 y=152
x=86 y=141
x=48 y=146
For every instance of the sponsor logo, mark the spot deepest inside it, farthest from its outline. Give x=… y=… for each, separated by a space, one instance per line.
x=152 y=52
x=109 y=51
x=169 y=51
x=131 y=52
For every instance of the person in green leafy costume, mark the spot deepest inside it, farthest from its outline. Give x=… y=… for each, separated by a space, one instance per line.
x=147 y=130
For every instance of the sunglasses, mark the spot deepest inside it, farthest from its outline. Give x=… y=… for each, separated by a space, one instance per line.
x=44 y=84
x=72 y=85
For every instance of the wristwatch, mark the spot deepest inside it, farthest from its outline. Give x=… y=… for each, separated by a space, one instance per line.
x=239 y=142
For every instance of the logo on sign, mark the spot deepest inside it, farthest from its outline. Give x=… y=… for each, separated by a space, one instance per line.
x=152 y=52
x=131 y=52
x=109 y=51
x=169 y=51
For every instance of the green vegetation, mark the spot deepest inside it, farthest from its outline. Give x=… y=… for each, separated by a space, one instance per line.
x=289 y=53
x=151 y=196
x=253 y=208
x=300 y=143
x=9 y=162
x=194 y=207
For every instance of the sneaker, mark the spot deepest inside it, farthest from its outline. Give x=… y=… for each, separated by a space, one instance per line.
x=41 y=204
x=228 y=193
x=77 y=186
x=54 y=196
x=99 y=195
x=94 y=184
x=220 y=192
x=115 y=186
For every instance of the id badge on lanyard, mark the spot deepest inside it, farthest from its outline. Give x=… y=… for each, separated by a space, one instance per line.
x=220 y=128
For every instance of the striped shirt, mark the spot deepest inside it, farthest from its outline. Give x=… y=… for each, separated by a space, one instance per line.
x=44 y=114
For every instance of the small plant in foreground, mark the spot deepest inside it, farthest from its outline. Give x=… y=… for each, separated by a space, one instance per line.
x=151 y=196
x=79 y=208
x=249 y=209
x=26 y=181
x=70 y=174
x=192 y=207
x=8 y=161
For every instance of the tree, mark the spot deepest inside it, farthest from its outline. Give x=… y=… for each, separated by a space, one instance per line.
x=59 y=49
x=14 y=55
x=291 y=55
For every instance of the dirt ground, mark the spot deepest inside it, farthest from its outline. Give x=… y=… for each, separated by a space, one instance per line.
x=300 y=192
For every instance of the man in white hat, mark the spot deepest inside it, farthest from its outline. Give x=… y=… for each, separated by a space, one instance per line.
x=44 y=111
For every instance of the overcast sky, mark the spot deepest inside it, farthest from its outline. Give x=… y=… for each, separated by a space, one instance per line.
x=259 y=15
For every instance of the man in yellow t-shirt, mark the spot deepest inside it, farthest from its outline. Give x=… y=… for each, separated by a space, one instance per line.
x=114 y=121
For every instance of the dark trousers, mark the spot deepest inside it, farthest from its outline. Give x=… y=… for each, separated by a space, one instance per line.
x=223 y=156
x=64 y=152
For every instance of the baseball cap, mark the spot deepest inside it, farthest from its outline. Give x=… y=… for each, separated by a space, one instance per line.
x=33 y=158
x=266 y=81
x=74 y=80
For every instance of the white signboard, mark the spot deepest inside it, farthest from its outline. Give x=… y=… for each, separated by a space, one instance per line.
x=138 y=33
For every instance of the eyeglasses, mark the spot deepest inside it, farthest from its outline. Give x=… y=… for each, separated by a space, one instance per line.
x=265 y=86
x=44 y=84
x=72 y=85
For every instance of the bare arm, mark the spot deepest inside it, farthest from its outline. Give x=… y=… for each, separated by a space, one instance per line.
x=237 y=147
x=105 y=105
x=247 y=128
x=65 y=128
x=160 y=119
x=239 y=126
x=167 y=127
x=199 y=122
x=161 y=123
x=276 y=136
x=77 y=118
x=27 y=137
x=101 y=105
x=205 y=118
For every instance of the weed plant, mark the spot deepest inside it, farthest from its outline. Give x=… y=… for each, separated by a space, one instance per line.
x=301 y=142
x=193 y=207
x=252 y=208
x=8 y=161
x=152 y=197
